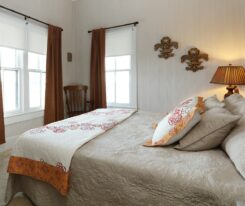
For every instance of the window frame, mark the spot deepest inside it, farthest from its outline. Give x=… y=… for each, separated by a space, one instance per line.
x=25 y=32
x=19 y=80
x=24 y=111
x=18 y=70
x=23 y=89
x=133 y=93
x=41 y=72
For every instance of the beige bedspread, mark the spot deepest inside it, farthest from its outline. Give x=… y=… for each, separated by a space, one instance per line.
x=116 y=170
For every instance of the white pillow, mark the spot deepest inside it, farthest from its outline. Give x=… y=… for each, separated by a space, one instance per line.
x=234 y=144
x=196 y=102
x=213 y=102
x=235 y=104
x=177 y=123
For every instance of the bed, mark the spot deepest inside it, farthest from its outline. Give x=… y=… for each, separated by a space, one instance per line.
x=115 y=169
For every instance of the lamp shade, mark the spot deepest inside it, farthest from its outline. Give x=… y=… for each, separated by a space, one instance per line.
x=229 y=75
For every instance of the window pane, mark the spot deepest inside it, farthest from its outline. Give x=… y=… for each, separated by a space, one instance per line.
x=110 y=63
x=34 y=89
x=33 y=61
x=42 y=59
x=123 y=62
x=110 y=87
x=43 y=89
x=8 y=57
x=19 y=59
x=122 y=87
x=10 y=90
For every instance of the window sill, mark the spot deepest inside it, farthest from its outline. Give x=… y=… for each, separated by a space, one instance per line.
x=23 y=117
x=127 y=106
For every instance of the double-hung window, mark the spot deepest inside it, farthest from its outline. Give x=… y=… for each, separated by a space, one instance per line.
x=11 y=66
x=36 y=66
x=23 y=47
x=121 y=67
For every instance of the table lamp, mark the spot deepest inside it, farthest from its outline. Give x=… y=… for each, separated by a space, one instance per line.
x=231 y=76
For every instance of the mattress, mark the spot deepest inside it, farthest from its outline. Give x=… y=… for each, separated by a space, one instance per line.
x=114 y=169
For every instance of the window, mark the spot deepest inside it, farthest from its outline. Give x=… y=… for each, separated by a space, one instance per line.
x=11 y=66
x=121 y=68
x=37 y=79
x=23 y=48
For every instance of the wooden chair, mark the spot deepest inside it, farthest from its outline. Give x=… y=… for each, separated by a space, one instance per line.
x=76 y=99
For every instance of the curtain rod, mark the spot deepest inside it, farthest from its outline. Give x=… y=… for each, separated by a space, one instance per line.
x=24 y=15
x=113 y=27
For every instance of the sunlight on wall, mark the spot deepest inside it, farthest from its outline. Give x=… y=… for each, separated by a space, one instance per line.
x=229 y=53
x=219 y=91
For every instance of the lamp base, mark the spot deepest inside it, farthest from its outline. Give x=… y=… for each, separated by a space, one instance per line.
x=230 y=89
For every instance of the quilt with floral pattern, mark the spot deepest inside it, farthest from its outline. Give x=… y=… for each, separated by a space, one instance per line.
x=45 y=153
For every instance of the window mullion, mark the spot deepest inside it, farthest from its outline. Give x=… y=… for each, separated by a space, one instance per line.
x=25 y=77
x=18 y=92
x=25 y=83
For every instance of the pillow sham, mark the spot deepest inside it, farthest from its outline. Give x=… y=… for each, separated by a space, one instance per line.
x=194 y=102
x=234 y=144
x=210 y=132
x=174 y=126
x=235 y=104
x=213 y=102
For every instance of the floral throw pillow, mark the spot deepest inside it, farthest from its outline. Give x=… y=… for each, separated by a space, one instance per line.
x=194 y=102
x=177 y=123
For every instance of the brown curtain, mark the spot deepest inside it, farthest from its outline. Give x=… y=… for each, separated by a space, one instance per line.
x=54 y=106
x=2 y=129
x=97 y=70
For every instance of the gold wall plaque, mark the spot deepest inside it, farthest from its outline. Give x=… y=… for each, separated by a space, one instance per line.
x=165 y=47
x=193 y=59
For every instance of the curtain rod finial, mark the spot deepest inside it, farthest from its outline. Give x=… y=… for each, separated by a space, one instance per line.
x=135 y=23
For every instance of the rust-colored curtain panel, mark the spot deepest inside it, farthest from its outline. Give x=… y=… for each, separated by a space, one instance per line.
x=54 y=106
x=97 y=70
x=2 y=129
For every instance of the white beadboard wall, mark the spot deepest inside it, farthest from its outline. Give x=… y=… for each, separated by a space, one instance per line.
x=216 y=27
x=56 y=12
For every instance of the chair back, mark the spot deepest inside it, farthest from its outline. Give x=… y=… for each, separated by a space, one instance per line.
x=76 y=99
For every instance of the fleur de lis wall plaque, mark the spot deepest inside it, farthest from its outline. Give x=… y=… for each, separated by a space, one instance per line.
x=165 y=47
x=193 y=59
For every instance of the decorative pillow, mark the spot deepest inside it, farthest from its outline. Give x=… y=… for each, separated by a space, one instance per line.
x=235 y=104
x=174 y=126
x=210 y=132
x=213 y=102
x=194 y=102
x=234 y=144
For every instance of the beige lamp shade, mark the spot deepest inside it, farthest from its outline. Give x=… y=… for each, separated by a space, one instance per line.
x=229 y=75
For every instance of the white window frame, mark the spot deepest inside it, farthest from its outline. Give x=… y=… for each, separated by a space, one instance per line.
x=133 y=94
x=18 y=70
x=24 y=112
x=27 y=98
